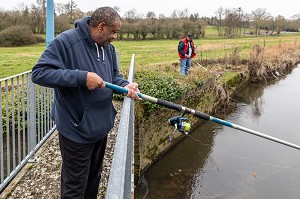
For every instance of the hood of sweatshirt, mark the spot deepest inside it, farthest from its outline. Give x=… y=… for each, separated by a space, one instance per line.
x=83 y=25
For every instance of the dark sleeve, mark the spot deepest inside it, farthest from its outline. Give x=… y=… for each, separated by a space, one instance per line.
x=180 y=48
x=51 y=70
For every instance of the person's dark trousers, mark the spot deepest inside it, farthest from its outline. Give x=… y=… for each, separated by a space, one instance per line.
x=81 y=168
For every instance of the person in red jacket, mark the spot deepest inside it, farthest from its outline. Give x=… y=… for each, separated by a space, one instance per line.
x=186 y=51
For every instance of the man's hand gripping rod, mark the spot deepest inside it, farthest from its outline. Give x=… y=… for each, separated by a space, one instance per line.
x=200 y=115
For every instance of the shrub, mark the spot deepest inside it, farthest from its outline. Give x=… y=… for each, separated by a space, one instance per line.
x=17 y=36
x=159 y=85
x=39 y=39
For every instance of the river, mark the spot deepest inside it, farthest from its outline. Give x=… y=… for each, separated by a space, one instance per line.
x=218 y=162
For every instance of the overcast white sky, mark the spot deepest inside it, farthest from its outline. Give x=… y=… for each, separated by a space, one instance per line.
x=286 y=8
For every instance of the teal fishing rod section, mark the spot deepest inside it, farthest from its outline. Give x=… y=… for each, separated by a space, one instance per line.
x=200 y=115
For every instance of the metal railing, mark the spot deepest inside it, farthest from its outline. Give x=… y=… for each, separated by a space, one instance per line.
x=25 y=123
x=120 y=183
x=25 y=126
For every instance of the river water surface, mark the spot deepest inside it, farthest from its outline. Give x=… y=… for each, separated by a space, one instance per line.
x=218 y=162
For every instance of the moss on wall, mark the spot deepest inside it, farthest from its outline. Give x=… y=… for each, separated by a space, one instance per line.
x=154 y=131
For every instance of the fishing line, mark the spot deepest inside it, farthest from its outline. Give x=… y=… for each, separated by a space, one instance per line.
x=198 y=114
x=183 y=125
x=246 y=158
x=242 y=96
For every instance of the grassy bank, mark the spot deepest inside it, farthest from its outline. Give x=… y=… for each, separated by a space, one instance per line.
x=157 y=64
x=152 y=54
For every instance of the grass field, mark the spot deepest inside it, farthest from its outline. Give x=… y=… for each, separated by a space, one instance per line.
x=150 y=54
x=18 y=59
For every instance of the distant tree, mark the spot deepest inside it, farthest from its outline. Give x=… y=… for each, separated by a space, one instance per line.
x=176 y=29
x=194 y=17
x=174 y=15
x=128 y=22
x=200 y=28
x=188 y=27
x=180 y=14
x=295 y=22
x=167 y=30
x=150 y=15
x=143 y=28
x=246 y=21
x=219 y=15
x=42 y=10
x=73 y=12
x=259 y=16
x=38 y=20
x=228 y=22
x=233 y=21
x=6 y=20
x=280 y=23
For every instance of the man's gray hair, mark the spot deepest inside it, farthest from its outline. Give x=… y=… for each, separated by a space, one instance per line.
x=104 y=14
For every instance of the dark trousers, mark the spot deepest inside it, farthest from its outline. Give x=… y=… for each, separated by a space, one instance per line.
x=81 y=168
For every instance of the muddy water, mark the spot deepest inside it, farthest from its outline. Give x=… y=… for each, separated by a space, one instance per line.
x=221 y=162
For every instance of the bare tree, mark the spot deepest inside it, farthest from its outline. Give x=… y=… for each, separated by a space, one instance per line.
x=73 y=11
x=130 y=17
x=280 y=23
x=143 y=28
x=233 y=21
x=230 y=22
x=219 y=14
x=295 y=22
x=246 y=21
x=38 y=20
x=259 y=16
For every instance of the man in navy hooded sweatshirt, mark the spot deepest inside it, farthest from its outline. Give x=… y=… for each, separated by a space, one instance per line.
x=76 y=64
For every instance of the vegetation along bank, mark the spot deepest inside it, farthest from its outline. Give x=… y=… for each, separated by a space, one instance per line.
x=208 y=88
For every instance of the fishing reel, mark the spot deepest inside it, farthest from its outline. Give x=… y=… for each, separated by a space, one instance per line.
x=181 y=124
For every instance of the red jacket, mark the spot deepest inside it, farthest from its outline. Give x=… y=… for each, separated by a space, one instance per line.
x=183 y=48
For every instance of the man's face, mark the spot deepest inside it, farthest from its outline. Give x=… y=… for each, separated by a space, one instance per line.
x=189 y=39
x=108 y=33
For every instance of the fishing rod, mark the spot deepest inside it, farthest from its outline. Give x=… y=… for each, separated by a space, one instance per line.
x=200 y=65
x=182 y=124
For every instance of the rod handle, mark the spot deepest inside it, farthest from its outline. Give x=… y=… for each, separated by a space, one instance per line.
x=119 y=88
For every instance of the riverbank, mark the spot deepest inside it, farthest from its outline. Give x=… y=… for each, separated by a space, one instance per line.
x=223 y=80
x=216 y=161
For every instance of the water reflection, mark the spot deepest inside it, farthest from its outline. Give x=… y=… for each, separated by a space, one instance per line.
x=220 y=162
x=174 y=173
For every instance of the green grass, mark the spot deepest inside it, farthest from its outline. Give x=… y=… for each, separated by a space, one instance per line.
x=164 y=52
x=15 y=60
x=148 y=52
x=149 y=55
x=211 y=31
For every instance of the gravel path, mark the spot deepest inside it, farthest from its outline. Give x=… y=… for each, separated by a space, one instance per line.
x=42 y=179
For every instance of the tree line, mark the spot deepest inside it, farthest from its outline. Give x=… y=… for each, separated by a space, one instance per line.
x=228 y=22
